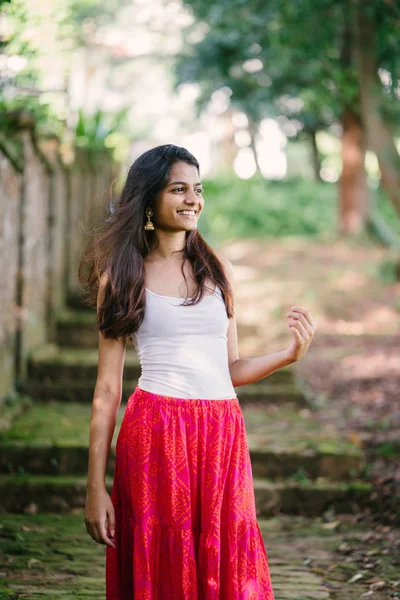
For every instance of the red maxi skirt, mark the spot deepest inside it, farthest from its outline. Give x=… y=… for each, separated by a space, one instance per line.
x=183 y=496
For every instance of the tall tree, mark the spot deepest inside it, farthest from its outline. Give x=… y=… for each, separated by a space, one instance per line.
x=306 y=50
x=373 y=25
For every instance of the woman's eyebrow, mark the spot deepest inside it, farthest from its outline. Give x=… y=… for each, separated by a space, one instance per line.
x=183 y=182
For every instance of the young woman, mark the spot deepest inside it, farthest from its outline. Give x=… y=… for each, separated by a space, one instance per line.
x=181 y=520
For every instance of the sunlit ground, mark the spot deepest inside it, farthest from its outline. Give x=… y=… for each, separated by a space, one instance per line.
x=353 y=364
x=337 y=283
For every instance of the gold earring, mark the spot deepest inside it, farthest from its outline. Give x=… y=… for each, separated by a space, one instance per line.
x=149 y=225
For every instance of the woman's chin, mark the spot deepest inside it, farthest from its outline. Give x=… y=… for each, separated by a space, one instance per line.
x=188 y=226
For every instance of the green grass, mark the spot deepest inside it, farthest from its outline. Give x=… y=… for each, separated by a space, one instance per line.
x=49 y=555
x=388 y=449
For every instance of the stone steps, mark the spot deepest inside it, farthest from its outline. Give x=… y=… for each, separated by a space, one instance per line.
x=76 y=328
x=310 y=498
x=52 y=363
x=67 y=492
x=44 y=457
x=64 y=460
x=81 y=390
x=52 y=438
x=299 y=466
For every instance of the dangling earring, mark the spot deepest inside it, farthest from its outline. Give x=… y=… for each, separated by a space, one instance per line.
x=149 y=225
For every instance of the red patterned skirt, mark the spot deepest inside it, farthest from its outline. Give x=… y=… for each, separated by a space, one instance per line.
x=183 y=495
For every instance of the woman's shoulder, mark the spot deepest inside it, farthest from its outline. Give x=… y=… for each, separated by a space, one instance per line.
x=226 y=263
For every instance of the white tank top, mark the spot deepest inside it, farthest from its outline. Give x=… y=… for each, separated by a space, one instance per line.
x=183 y=349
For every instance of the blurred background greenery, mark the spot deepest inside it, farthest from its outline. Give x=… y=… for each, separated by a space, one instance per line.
x=292 y=109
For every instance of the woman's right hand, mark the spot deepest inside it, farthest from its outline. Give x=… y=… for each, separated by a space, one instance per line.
x=98 y=507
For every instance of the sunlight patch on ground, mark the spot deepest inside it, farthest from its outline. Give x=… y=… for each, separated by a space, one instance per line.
x=376 y=364
x=335 y=281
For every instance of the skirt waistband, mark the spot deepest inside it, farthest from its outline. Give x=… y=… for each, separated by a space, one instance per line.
x=187 y=402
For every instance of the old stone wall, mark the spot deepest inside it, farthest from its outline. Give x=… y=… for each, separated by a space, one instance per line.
x=46 y=207
x=10 y=206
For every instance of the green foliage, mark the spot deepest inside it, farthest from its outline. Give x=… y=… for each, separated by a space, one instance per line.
x=18 y=44
x=95 y=132
x=306 y=70
x=388 y=449
x=46 y=121
x=256 y=207
x=20 y=93
x=300 y=476
x=389 y=270
x=78 y=18
x=298 y=63
x=291 y=207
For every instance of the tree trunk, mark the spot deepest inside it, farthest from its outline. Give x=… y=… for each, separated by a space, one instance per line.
x=253 y=130
x=315 y=157
x=353 y=203
x=379 y=134
x=227 y=146
x=354 y=195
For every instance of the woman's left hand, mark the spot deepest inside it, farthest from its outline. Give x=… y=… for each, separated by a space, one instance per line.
x=303 y=327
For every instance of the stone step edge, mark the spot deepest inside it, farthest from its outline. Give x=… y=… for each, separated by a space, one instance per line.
x=64 y=493
x=359 y=485
x=254 y=392
x=52 y=354
x=11 y=445
x=54 y=459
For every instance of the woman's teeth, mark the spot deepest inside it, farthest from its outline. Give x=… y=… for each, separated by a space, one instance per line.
x=188 y=213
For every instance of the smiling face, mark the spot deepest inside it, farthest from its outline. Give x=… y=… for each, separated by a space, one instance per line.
x=183 y=192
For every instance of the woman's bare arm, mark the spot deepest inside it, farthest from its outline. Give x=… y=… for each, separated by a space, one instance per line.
x=249 y=370
x=106 y=402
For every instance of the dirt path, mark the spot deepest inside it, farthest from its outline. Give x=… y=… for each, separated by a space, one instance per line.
x=50 y=555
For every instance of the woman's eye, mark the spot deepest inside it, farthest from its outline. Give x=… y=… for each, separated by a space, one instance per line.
x=177 y=189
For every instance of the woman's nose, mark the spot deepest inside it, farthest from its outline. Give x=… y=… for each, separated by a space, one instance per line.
x=191 y=197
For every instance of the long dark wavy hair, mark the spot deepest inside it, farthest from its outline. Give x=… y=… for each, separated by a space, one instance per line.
x=118 y=245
